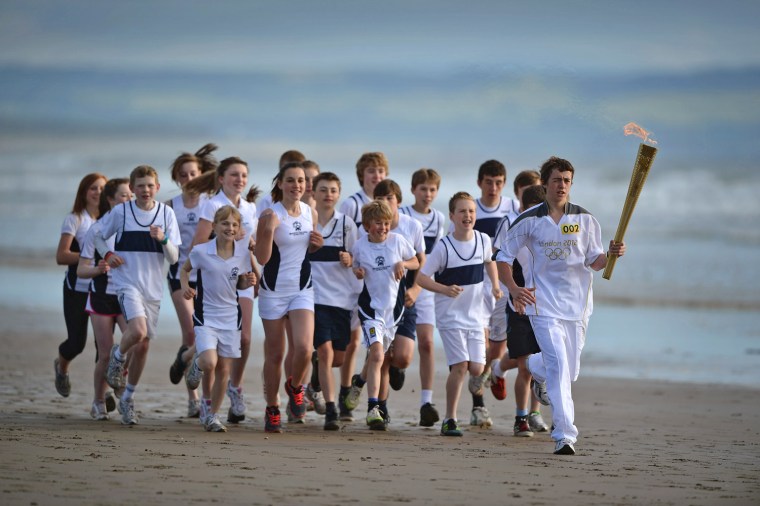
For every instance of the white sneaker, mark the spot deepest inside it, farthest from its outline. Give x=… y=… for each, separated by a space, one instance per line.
x=213 y=424
x=317 y=399
x=98 y=411
x=193 y=375
x=128 y=415
x=536 y=422
x=115 y=372
x=236 y=414
x=193 y=408
x=564 y=447
x=480 y=417
x=539 y=390
x=477 y=384
x=354 y=394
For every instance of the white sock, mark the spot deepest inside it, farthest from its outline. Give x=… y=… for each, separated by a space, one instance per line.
x=118 y=356
x=426 y=396
x=496 y=370
x=129 y=392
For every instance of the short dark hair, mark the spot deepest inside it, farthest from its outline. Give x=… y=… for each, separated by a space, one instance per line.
x=493 y=168
x=552 y=163
x=533 y=195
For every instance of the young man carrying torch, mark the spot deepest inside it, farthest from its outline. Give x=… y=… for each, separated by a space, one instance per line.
x=565 y=243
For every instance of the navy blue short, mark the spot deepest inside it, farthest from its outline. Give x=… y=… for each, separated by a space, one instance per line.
x=407 y=326
x=332 y=324
x=175 y=285
x=521 y=340
x=104 y=304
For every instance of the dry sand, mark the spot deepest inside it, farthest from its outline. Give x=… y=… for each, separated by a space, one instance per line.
x=641 y=443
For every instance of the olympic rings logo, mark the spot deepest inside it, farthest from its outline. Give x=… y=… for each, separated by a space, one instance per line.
x=557 y=253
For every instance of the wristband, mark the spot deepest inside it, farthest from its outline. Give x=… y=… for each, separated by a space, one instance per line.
x=166 y=239
x=108 y=255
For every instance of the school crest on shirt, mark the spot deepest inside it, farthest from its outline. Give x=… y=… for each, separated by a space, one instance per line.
x=191 y=217
x=297 y=226
x=298 y=229
x=234 y=273
x=380 y=261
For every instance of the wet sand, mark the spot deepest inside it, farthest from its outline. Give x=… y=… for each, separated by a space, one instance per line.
x=641 y=442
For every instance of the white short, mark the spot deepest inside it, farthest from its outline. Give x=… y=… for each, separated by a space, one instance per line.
x=133 y=305
x=273 y=306
x=425 y=308
x=464 y=345
x=375 y=331
x=497 y=324
x=225 y=342
x=246 y=294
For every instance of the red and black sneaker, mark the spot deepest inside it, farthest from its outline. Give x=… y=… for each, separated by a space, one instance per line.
x=272 y=420
x=522 y=428
x=296 y=404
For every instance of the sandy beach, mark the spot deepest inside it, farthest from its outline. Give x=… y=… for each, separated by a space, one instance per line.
x=641 y=442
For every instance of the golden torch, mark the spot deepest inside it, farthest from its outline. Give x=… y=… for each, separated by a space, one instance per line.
x=644 y=161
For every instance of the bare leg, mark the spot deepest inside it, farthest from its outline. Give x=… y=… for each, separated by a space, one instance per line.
x=326 y=380
x=238 y=364
x=184 y=309
x=302 y=329
x=427 y=358
x=454 y=384
x=274 y=351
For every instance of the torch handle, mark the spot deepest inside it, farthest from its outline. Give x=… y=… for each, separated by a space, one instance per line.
x=644 y=161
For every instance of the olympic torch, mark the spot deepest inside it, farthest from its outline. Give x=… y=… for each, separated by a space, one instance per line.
x=644 y=161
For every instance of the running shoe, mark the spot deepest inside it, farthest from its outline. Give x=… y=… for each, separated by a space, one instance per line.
x=110 y=402
x=428 y=415
x=498 y=384
x=296 y=405
x=539 y=390
x=62 y=383
x=272 y=420
x=193 y=408
x=128 y=415
x=477 y=383
x=354 y=393
x=345 y=414
x=317 y=399
x=193 y=374
x=375 y=419
x=522 y=428
x=98 y=411
x=396 y=377
x=115 y=372
x=480 y=417
x=177 y=369
x=536 y=422
x=564 y=447
x=331 y=420
x=450 y=428
x=236 y=413
x=212 y=424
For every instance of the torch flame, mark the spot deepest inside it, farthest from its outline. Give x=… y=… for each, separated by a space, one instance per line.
x=634 y=129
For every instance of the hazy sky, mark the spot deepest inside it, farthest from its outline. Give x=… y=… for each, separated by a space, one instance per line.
x=598 y=36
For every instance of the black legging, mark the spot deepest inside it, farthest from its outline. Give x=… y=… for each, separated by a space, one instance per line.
x=76 y=317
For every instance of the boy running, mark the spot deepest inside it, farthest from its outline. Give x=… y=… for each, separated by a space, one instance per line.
x=146 y=234
x=458 y=263
x=565 y=242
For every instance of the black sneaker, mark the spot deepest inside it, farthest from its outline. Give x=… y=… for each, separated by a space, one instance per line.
x=428 y=415
x=345 y=414
x=177 y=369
x=296 y=404
x=272 y=422
x=331 y=420
x=396 y=377
x=450 y=428
x=62 y=384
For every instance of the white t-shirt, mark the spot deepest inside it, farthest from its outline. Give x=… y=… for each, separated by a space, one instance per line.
x=102 y=282
x=288 y=269
x=561 y=253
x=216 y=301
x=143 y=256
x=335 y=285
x=460 y=263
x=378 y=297
x=187 y=219
x=76 y=225
x=247 y=212
x=352 y=207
